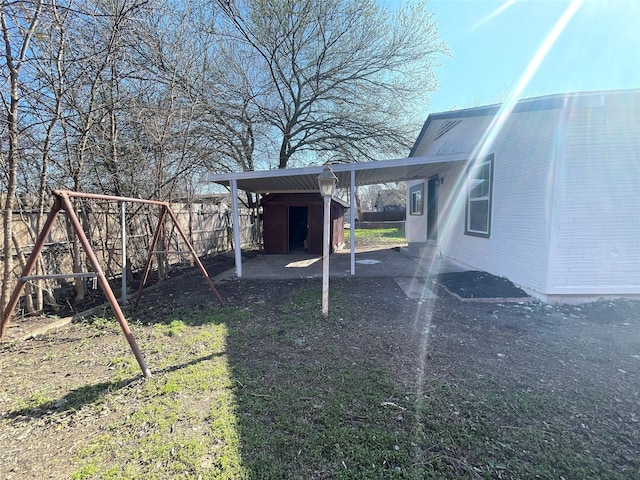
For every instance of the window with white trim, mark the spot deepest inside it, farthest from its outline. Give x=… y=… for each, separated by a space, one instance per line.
x=479 y=192
x=416 y=194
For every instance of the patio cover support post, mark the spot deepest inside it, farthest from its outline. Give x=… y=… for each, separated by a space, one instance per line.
x=352 y=221
x=152 y=247
x=195 y=257
x=236 y=226
x=28 y=267
x=102 y=280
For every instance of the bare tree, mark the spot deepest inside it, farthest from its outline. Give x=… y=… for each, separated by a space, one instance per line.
x=43 y=96
x=344 y=75
x=98 y=36
x=19 y=22
x=377 y=197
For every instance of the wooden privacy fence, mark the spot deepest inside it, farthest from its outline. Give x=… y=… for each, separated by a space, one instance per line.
x=206 y=224
x=386 y=216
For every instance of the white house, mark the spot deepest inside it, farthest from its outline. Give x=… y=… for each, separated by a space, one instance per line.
x=549 y=196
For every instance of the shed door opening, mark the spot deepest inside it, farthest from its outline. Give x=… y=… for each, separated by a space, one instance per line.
x=298 y=227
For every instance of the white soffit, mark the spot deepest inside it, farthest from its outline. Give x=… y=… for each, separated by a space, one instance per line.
x=367 y=173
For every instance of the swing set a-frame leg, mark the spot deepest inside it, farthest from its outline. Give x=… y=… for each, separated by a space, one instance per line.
x=102 y=280
x=152 y=247
x=166 y=210
x=28 y=267
x=195 y=257
x=62 y=202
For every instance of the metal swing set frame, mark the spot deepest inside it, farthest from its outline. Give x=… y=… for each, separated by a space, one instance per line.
x=63 y=202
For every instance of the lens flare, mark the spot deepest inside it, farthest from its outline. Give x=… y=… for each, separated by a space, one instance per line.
x=455 y=202
x=495 y=13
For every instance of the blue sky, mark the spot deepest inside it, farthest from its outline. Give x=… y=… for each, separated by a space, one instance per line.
x=598 y=49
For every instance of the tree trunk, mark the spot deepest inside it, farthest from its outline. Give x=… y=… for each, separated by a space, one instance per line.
x=28 y=290
x=13 y=64
x=7 y=216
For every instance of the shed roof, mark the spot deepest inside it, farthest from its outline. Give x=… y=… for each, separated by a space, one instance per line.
x=273 y=197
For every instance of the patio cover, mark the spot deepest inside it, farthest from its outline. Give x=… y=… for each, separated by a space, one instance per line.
x=350 y=175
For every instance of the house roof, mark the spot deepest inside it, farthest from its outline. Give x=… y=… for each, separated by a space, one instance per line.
x=547 y=102
x=368 y=173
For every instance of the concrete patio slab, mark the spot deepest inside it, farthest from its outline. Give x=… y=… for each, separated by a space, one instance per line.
x=382 y=262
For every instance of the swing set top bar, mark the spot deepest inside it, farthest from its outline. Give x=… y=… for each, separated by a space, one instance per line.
x=111 y=198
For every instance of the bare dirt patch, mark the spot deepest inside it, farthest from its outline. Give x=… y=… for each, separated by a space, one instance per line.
x=480 y=390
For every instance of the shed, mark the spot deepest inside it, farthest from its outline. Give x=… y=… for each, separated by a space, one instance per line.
x=547 y=197
x=294 y=222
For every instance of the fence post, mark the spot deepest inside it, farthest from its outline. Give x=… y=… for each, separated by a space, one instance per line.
x=123 y=237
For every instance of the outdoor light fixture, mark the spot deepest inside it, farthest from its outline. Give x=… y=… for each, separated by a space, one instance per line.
x=327 y=182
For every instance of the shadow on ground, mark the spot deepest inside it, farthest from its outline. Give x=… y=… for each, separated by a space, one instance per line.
x=386 y=387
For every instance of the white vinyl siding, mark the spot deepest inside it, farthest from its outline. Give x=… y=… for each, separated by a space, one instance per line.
x=596 y=230
x=415 y=225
